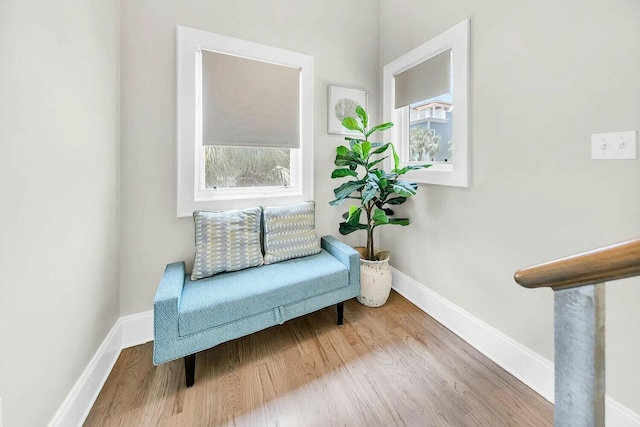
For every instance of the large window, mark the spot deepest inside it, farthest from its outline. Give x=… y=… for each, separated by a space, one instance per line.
x=425 y=95
x=244 y=123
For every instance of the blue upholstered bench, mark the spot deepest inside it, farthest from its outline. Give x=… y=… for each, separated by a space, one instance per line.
x=192 y=316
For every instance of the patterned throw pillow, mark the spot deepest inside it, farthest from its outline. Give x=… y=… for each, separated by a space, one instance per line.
x=290 y=232
x=226 y=241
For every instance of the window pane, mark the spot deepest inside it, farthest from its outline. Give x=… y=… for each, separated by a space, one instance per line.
x=430 y=130
x=227 y=167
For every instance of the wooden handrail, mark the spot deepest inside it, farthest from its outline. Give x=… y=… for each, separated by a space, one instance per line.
x=600 y=265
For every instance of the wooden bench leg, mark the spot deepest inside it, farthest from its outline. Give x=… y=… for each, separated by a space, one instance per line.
x=340 y=312
x=190 y=368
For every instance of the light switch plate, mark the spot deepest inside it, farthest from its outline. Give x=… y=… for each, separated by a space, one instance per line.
x=614 y=145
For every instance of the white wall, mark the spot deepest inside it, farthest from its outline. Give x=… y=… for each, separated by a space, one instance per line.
x=59 y=118
x=544 y=76
x=342 y=38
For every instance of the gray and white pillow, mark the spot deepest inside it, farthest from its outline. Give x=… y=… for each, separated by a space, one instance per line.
x=290 y=232
x=226 y=241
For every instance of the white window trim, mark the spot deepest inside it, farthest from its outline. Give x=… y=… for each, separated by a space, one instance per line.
x=457 y=173
x=191 y=195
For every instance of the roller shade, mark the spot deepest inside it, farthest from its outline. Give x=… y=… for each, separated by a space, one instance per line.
x=426 y=80
x=249 y=103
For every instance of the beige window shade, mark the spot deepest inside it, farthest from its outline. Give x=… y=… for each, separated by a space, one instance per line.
x=426 y=80
x=249 y=103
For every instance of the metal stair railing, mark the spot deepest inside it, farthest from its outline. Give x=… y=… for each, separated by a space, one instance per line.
x=579 y=329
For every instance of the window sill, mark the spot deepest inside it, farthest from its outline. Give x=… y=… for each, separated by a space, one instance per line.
x=229 y=201
x=440 y=174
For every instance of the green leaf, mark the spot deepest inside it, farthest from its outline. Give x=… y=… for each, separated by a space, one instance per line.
x=396 y=159
x=354 y=214
x=372 y=164
x=350 y=159
x=379 y=217
x=369 y=194
x=388 y=211
x=401 y=171
x=408 y=168
x=396 y=201
x=408 y=184
x=377 y=173
x=417 y=167
x=336 y=202
x=363 y=116
x=347 y=188
x=356 y=147
x=341 y=173
x=381 y=127
x=351 y=124
x=402 y=190
x=382 y=149
x=399 y=221
x=379 y=178
x=366 y=147
x=346 y=228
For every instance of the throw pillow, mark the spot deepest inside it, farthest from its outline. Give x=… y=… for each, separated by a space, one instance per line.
x=290 y=232
x=226 y=241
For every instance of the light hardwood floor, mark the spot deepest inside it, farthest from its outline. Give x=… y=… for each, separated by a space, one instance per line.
x=388 y=366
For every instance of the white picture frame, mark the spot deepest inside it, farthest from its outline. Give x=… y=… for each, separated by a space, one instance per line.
x=340 y=98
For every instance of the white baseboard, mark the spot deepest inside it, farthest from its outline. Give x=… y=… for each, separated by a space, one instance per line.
x=618 y=415
x=136 y=329
x=530 y=368
x=127 y=332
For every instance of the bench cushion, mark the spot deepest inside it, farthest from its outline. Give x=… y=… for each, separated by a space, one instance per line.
x=226 y=297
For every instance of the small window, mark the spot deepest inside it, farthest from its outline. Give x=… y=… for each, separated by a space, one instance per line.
x=244 y=124
x=425 y=95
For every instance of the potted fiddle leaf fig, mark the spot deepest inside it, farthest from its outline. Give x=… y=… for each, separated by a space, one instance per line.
x=373 y=191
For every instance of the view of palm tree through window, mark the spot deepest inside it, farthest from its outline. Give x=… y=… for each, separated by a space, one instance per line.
x=227 y=167
x=430 y=130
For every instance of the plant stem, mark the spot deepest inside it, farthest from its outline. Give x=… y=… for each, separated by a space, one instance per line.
x=368 y=254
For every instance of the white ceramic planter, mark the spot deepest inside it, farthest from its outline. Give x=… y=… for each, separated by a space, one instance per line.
x=375 y=280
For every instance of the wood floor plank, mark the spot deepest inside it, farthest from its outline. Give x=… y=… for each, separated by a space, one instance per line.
x=387 y=366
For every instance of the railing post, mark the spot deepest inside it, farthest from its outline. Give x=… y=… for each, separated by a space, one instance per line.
x=579 y=356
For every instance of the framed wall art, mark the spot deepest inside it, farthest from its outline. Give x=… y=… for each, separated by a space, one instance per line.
x=342 y=102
